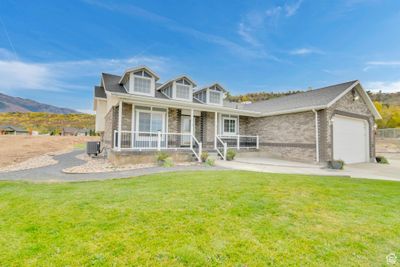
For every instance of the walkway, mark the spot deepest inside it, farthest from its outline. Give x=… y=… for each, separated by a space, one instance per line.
x=53 y=173
x=362 y=170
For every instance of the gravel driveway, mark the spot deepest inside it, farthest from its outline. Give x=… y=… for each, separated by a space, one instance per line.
x=54 y=173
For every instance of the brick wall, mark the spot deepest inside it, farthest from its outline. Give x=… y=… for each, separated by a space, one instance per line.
x=111 y=120
x=174 y=120
x=290 y=136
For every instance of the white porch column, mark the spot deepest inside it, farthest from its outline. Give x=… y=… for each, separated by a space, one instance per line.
x=238 y=132
x=132 y=125
x=191 y=127
x=215 y=129
x=119 y=124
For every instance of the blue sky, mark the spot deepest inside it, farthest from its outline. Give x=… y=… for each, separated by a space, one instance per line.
x=54 y=51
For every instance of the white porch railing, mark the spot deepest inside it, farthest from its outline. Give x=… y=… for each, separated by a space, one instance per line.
x=221 y=147
x=240 y=141
x=136 y=140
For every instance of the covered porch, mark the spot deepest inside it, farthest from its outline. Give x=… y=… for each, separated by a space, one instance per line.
x=139 y=127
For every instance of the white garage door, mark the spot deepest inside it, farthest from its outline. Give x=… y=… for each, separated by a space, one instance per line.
x=350 y=139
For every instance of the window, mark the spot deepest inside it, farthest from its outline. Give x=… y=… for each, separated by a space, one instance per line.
x=168 y=91
x=215 y=97
x=144 y=122
x=150 y=121
x=182 y=91
x=142 y=85
x=157 y=121
x=201 y=96
x=229 y=126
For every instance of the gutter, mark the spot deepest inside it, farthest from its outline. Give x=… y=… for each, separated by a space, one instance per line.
x=316 y=136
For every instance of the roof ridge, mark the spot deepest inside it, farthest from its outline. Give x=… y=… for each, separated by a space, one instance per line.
x=304 y=92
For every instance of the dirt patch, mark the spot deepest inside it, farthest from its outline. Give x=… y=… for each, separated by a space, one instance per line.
x=17 y=149
x=35 y=162
x=387 y=145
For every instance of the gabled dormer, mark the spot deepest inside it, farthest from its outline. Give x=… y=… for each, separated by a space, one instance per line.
x=180 y=88
x=140 y=80
x=213 y=95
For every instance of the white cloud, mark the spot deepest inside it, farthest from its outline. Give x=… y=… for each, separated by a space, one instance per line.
x=247 y=34
x=291 y=9
x=376 y=64
x=256 y=20
x=66 y=75
x=305 y=51
x=172 y=25
x=386 y=87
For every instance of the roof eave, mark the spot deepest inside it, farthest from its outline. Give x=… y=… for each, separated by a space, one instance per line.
x=296 y=110
x=138 y=68
x=185 y=104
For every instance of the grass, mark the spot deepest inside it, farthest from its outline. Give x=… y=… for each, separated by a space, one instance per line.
x=201 y=219
x=80 y=146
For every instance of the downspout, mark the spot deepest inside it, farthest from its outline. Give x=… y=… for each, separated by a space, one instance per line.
x=316 y=136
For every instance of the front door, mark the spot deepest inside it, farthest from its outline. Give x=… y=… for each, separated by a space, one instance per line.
x=185 y=129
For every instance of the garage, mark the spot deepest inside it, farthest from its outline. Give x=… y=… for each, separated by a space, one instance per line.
x=350 y=139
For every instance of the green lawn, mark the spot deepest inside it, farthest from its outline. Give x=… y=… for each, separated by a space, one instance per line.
x=201 y=218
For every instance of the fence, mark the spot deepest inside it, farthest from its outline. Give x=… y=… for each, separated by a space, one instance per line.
x=388 y=133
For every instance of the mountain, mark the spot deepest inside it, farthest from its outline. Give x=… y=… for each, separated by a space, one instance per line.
x=17 y=104
x=392 y=99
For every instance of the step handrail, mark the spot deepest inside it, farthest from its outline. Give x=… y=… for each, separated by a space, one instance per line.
x=200 y=145
x=221 y=153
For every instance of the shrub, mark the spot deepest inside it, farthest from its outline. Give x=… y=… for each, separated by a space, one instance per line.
x=381 y=160
x=204 y=156
x=336 y=164
x=168 y=163
x=210 y=162
x=230 y=154
x=162 y=156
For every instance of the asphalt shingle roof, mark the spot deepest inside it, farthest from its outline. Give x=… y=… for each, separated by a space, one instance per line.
x=99 y=92
x=15 y=128
x=314 y=98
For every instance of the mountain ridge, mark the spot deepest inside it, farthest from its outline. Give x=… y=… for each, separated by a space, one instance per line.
x=18 y=104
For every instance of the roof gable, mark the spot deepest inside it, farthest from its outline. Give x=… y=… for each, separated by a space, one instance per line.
x=214 y=86
x=184 y=77
x=315 y=99
x=141 y=68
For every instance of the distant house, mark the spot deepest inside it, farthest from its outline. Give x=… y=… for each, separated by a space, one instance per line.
x=72 y=131
x=12 y=130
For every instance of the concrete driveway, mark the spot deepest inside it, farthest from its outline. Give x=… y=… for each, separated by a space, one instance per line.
x=363 y=170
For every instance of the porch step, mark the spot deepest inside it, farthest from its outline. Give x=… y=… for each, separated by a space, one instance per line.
x=212 y=154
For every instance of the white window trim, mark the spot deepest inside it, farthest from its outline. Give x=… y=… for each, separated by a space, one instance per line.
x=151 y=112
x=174 y=89
x=182 y=98
x=220 y=97
x=132 y=85
x=223 y=126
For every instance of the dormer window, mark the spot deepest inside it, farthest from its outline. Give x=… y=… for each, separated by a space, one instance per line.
x=180 y=88
x=141 y=81
x=183 y=89
x=210 y=95
x=215 y=97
